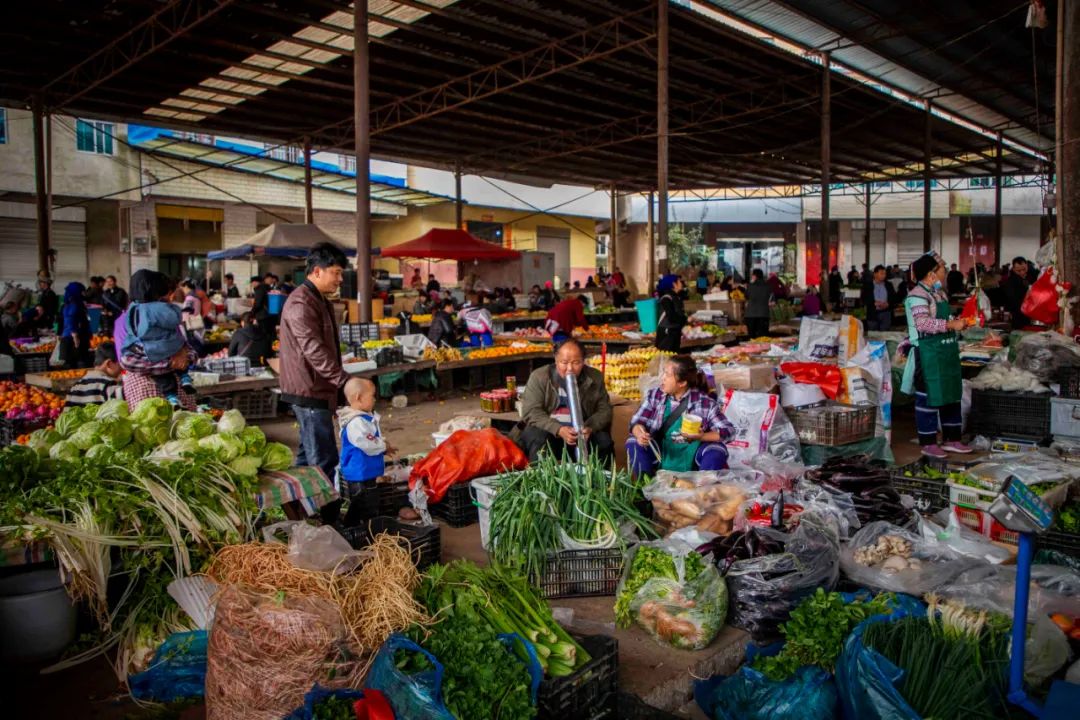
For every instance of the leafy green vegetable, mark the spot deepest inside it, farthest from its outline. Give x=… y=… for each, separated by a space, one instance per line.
x=277 y=456
x=245 y=465
x=231 y=421
x=152 y=434
x=816 y=632
x=42 y=440
x=188 y=425
x=333 y=708
x=112 y=409
x=151 y=410
x=175 y=450
x=100 y=453
x=254 y=440
x=64 y=450
x=116 y=432
x=226 y=447
x=1068 y=518
x=70 y=420
x=651 y=562
x=87 y=435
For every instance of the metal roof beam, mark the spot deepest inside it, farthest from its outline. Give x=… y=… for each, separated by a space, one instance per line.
x=170 y=22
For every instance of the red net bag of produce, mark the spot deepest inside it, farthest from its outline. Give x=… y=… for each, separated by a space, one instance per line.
x=826 y=377
x=1041 y=302
x=465 y=455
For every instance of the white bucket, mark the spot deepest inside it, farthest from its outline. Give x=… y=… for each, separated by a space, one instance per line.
x=483 y=492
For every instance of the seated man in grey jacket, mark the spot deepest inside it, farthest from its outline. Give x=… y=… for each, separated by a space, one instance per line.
x=545 y=411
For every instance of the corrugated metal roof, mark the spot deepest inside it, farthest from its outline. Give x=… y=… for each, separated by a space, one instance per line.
x=798 y=21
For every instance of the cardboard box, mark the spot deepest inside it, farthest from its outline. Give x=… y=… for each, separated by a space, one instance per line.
x=744 y=377
x=620 y=428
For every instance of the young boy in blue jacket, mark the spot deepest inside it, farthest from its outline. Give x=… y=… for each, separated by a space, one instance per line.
x=363 y=448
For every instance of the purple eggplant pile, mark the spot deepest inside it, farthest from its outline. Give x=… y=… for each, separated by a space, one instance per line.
x=870 y=487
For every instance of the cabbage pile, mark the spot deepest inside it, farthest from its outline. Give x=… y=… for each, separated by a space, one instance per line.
x=109 y=433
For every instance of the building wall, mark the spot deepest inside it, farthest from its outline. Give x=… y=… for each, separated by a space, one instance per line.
x=103 y=256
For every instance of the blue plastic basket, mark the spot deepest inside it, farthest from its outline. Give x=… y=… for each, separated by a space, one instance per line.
x=647 y=314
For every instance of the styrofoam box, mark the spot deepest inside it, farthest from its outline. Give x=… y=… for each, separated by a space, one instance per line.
x=1065 y=417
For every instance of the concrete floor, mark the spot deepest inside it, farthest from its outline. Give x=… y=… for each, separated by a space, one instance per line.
x=661 y=676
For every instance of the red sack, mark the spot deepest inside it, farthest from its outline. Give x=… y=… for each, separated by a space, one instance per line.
x=465 y=455
x=826 y=377
x=1041 y=302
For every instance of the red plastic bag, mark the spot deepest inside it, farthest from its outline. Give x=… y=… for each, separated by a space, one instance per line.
x=373 y=706
x=465 y=455
x=826 y=377
x=1041 y=302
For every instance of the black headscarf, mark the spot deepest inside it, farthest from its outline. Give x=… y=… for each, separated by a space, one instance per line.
x=923 y=266
x=148 y=286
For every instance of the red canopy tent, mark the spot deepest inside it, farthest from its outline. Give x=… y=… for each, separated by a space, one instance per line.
x=449 y=244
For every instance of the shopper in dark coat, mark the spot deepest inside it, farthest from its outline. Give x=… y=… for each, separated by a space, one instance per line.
x=758 y=296
x=672 y=317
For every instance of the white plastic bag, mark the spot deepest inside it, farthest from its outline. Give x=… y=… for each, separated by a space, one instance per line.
x=793 y=394
x=927 y=564
x=760 y=427
x=962 y=539
x=867 y=380
x=1046 y=650
x=850 y=340
x=819 y=338
x=319 y=548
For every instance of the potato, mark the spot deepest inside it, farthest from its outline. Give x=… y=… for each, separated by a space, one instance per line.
x=687 y=508
x=683 y=484
x=730 y=509
x=681 y=521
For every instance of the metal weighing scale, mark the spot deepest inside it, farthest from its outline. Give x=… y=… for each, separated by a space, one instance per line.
x=1021 y=510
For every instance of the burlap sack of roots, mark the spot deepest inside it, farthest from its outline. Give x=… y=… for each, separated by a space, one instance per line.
x=266 y=651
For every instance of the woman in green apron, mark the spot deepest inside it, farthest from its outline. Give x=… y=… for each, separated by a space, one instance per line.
x=932 y=372
x=657 y=440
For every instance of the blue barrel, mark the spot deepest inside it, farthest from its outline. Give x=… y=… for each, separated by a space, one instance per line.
x=647 y=314
x=274 y=303
x=94 y=313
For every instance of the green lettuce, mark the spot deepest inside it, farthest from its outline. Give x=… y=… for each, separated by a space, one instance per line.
x=254 y=440
x=88 y=435
x=232 y=422
x=64 y=450
x=42 y=440
x=112 y=409
x=150 y=410
x=152 y=434
x=191 y=426
x=175 y=450
x=245 y=465
x=116 y=432
x=100 y=452
x=277 y=457
x=70 y=420
x=226 y=447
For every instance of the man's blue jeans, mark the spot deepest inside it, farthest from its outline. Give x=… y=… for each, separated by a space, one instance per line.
x=318 y=442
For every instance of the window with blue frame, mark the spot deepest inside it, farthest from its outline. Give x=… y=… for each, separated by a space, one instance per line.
x=94 y=136
x=3 y=126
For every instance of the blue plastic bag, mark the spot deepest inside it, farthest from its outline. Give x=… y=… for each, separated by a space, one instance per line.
x=419 y=696
x=809 y=694
x=316 y=695
x=867 y=680
x=177 y=672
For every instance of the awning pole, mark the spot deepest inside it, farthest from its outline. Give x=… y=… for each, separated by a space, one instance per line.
x=362 y=145
x=826 y=164
x=998 y=226
x=309 y=207
x=928 y=177
x=662 y=128
x=41 y=192
x=457 y=198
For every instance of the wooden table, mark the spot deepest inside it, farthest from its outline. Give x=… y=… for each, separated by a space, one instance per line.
x=398 y=367
x=483 y=373
x=242 y=384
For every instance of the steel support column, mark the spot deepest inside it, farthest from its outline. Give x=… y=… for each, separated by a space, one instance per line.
x=1068 y=138
x=662 y=127
x=928 y=178
x=651 y=266
x=866 y=230
x=309 y=207
x=41 y=193
x=826 y=162
x=998 y=180
x=612 y=255
x=362 y=145
x=457 y=198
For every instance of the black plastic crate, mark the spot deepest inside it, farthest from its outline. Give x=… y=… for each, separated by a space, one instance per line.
x=1000 y=414
x=591 y=692
x=581 y=573
x=1069 y=380
x=383 y=356
x=228 y=366
x=424 y=541
x=10 y=430
x=393 y=497
x=1063 y=542
x=457 y=508
x=930 y=494
x=357 y=333
x=26 y=363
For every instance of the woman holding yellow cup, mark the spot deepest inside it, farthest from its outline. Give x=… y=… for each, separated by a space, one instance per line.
x=678 y=427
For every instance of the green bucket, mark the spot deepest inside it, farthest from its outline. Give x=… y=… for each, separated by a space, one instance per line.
x=646 y=313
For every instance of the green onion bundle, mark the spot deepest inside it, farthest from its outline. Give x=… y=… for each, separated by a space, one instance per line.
x=536 y=511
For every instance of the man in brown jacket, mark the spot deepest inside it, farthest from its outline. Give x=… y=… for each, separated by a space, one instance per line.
x=311 y=372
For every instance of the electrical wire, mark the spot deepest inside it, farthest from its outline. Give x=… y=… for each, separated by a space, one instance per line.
x=539 y=210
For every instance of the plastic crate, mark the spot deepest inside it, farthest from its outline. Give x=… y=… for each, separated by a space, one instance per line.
x=357 y=333
x=1069 y=380
x=984 y=523
x=393 y=497
x=252 y=404
x=10 y=430
x=1065 y=417
x=590 y=692
x=228 y=366
x=581 y=573
x=1063 y=542
x=424 y=541
x=26 y=363
x=971 y=497
x=832 y=423
x=930 y=494
x=382 y=356
x=456 y=509
x=996 y=413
